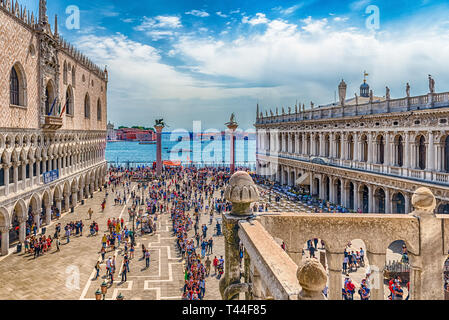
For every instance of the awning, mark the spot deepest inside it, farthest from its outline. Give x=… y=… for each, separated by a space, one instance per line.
x=303 y=180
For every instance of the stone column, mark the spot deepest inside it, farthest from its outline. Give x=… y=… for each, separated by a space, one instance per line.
x=370 y=148
x=24 y=174
x=344 y=193
x=59 y=205
x=22 y=230
x=159 y=149
x=407 y=150
x=81 y=193
x=38 y=171
x=322 y=145
x=387 y=201
x=332 y=145
x=37 y=218
x=47 y=214
x=6 y=177
x=356 y=196
x=67 y=202
x=371 y=199
x=5 y=240
x=74 y=198
x=377 y=264
x=387 y=150
x=430 y=153
x=331 y=190
x=232 y=126
x=334 y=263
x=16 y=176
x=407 y=203
x=239 y=182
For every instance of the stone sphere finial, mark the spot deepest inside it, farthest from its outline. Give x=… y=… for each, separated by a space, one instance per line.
x=423 y=200
x=241 y=191
x=313 y=278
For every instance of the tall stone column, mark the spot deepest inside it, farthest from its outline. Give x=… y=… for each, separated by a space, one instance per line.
x=159 y=129
x=344 y=193
x=332 y=145
x=241 y=191
x=377 y=265
x=232 y=126
x=5 y=240
x=407 y=208
x=334 y=263
x=38 y=171
x=322 y=145
x=431 y=153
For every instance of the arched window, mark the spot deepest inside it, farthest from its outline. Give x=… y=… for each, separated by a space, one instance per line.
x=422 y=153
x=446 y=154
x=380 y=149
x=14 y=87
x=49 y=99
x=87 y=107
x=69 y=101
x=99 y=110
x=364 y=149
x=399 y=151
x=350 y=148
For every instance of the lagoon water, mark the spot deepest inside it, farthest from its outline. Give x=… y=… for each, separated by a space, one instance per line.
x=207 y=152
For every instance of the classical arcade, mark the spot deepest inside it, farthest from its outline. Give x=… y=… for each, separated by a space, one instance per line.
x=368 y=153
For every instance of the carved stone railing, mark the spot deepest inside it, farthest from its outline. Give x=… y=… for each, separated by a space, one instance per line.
x=269 y=272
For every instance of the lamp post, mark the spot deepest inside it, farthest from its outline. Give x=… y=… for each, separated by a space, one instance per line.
x=104 y=289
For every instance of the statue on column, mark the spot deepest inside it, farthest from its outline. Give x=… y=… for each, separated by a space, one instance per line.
x=283 y=111
x=371 y=96
x=407 y=90
x=431 y=84
x=311 y=104
x=277 y=111
x=271 y=112
x=289 y=110
x=387 y=94
x=356 y=99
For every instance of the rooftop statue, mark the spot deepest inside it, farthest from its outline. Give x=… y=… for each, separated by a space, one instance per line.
x=387 y=94
x=431 y=84
x=159 y=122
x=407 y=89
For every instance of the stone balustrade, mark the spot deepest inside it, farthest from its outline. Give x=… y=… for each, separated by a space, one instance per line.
x=276 y=274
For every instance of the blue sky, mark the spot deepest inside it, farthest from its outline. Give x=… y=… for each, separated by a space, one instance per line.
x=202 y=60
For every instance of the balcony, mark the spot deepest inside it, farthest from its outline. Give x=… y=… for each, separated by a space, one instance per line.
x=52 y=123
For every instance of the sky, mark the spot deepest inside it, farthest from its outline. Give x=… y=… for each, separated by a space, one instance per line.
x=186 y=61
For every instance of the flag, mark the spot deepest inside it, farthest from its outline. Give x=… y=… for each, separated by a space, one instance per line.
x=52 y=106
x=63 y=109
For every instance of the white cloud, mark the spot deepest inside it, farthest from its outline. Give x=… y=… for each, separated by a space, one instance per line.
x=235 y=11
x=291 y=9
x=198 y=13
x=128 y=20
x=171 y=22
x=220 y=14
x=309 y=60
x=259 y=19
x=341 y=19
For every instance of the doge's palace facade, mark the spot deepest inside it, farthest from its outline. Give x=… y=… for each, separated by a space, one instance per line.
x=369 y=153
x=52 y=123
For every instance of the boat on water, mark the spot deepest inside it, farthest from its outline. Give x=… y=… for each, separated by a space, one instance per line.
x=147 y=142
